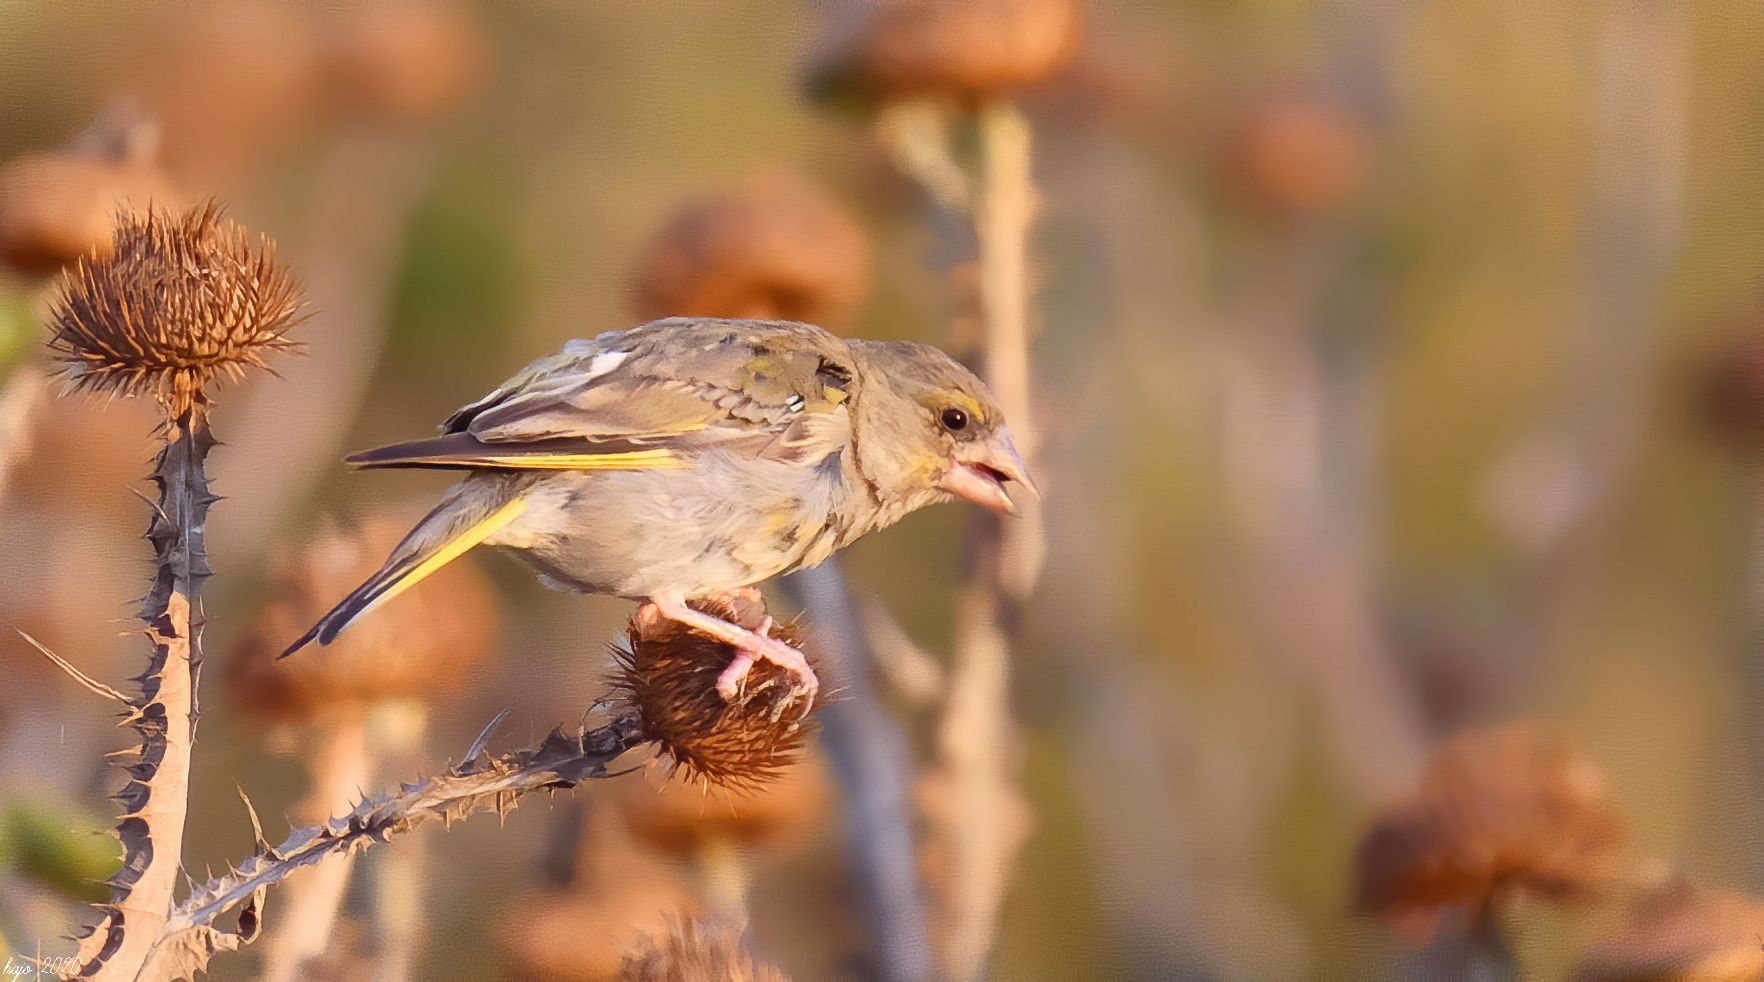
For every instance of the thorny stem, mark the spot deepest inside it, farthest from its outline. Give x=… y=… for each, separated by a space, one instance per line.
x=156 y=798
x=985 y=818
x=480 y=783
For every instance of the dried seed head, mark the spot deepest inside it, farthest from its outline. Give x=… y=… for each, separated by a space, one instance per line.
x=582 y=934
x=182 y=299
x=233 y=83
x=1732 y=393
x=669 y=675
x=696 y=952
x=55 y=208
x=682 y=820
x=1298 y=155
x=772 y=247
x=970 y=51
x=421 y=645
x=403 y=62
x=1682 y=933
x=1501 y=809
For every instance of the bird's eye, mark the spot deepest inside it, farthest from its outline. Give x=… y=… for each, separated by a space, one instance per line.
x=955 y=420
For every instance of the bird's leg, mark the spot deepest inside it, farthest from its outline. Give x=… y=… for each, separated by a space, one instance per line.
x=750 y=646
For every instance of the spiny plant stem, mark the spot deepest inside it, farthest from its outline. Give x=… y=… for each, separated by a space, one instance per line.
x=156 y=798
x=480 y=783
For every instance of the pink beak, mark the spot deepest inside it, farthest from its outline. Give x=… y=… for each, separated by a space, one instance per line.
x=983 y=468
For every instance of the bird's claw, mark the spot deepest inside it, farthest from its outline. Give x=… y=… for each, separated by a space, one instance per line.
x=733 y=685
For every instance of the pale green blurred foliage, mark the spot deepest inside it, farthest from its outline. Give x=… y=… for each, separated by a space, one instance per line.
x=1194 y=809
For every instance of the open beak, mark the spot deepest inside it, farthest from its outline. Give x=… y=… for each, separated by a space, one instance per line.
x=983 y=468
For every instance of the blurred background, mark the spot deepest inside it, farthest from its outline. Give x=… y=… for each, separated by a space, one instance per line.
x=1397 y=372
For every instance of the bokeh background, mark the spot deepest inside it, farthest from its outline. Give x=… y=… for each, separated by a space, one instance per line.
x=1399 y=387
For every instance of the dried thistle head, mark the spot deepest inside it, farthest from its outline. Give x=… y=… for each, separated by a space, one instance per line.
x=772 y=247
x=233 y=83
x=668 y=674
x=426 y=644
x=691 y=951
x=970 y=51
x=1679 y=932
x=1497 y=810
x=57 y=207
x=1299 y=154
x=403 y=62
x=182 y=300
x=682 y=820
x=582 y=934
x=1732 y=392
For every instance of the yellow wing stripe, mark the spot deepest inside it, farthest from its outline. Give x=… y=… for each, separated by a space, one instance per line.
x=631 y=460
x=453 y=549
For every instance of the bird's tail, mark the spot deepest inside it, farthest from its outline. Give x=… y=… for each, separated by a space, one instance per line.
x=465 y=518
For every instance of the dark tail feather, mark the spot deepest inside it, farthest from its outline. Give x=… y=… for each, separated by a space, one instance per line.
x=445 y=535
x=354 y=605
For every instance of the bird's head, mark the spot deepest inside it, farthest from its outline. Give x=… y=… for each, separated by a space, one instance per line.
x=925 y=427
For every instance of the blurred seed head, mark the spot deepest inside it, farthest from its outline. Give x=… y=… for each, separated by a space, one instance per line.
x=1497 y=810
x=583 y=935
x=403 y=62
x=422 y=645
x=1298 y=155
x=971 y=51
x=682 y=819
x=1733 y=392
x=1685 y=934
x=232 y=83
x=692 y=951
x=668 y=673
x=57 y=207
x=772 y=247
x=181 y=300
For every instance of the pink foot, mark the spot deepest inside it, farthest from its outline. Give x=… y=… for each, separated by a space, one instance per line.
x=751 y=647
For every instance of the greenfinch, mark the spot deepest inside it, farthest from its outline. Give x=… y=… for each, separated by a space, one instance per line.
x=694 y=458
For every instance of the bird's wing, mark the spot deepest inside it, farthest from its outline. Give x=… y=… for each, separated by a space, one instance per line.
x=652 y=397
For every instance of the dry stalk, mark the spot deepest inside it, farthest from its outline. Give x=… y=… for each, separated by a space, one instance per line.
x=985 y=817
x=183 y=300
x=337 y=772
x=480 y=783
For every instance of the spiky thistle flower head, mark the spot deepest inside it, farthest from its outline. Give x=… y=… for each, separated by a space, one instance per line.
x=668 y=674
x=181 y=300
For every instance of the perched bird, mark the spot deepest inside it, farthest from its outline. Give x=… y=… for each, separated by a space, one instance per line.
x=693 y=458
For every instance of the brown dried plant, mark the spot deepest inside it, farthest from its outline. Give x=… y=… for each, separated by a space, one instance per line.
x=183 y=299
x=666 y=695
x=424 y=646
x=1681 y=932
x=668 y=674
x=1501 y=810
x=772 y=247
x=969 y=51
x=180 y=301
x=693 y=951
